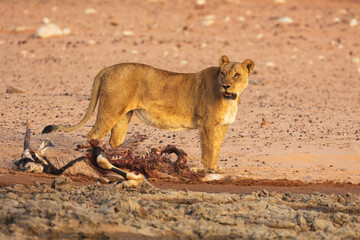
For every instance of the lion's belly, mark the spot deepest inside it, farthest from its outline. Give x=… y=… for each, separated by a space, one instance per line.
x=170 y=122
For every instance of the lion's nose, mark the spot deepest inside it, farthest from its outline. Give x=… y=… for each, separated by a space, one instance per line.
x=225 y=86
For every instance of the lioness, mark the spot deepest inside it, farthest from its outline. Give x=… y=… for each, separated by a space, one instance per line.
x=206 y=100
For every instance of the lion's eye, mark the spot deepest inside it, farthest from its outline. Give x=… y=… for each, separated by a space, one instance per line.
x=236 y=75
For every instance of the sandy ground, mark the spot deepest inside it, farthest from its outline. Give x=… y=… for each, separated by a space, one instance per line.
x=305 y=83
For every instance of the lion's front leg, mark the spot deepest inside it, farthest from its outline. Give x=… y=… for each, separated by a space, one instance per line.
x=211 y=138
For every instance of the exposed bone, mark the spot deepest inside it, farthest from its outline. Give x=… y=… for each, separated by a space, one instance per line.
x=27 y=135
x=44 y=145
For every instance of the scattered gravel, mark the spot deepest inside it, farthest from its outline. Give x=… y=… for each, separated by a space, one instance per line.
x=103 y=211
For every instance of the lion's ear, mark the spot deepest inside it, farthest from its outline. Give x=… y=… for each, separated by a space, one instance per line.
x=248 y=65
x=223 y=60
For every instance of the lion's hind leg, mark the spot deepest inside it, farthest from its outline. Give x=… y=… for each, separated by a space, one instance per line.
x=119 y=130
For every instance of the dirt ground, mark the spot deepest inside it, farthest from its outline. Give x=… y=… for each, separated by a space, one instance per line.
x=305 y=84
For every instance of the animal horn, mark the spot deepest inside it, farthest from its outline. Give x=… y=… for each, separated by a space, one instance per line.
x=27 y=135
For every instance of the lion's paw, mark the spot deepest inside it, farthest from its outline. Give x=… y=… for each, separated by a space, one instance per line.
x=218 y=170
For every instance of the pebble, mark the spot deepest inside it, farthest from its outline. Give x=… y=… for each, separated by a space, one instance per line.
x=227 y=19
x=259 y=36
x=46 y=20
x=183 y=62
x=280 y=1
x=270 y=64
x=200 y=3
x=51 y=30
x=241 y=19
x=353 y=22
x=356 y=60
x=15 y=90
x=134 y=51
x=90 y=11
x=285 y=20
x=203 y=45
x=23 y=53
x=336 y=20
x=2 y=42
x=321 y=57
x=128 y=33
x=91 y=42
x=208 y=20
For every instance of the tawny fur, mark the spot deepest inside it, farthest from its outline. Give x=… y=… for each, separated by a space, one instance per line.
x=206 y=100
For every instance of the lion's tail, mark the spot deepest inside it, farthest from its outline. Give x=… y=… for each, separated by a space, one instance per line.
x=93 y=102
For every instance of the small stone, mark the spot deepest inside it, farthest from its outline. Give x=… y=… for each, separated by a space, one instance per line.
x=227 y=19
x=264 y=123
x=241 y=19
x=336 y=20
x=166 y=53
x=128 y=33
x=285 y=20
x=46 y=20
x=270 y=64
x=203 y=45
x=259 y=36
x=293 y=57
x=15 y=90
x=134 y=51
x=208 y=20
x=90 y=11
x=353 y=22
x=280 y=1
x=91 y=42
x=23 y=53
x=54 y=8
x=114 y=23
x=200 y=3
x=321 y=57
x=183 y=62
x=2 y=42
x=66 y=31
x=248 y=13
x=356 y=60
x=48 y=30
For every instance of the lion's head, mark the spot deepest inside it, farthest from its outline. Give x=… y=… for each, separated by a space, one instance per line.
x=233 y=76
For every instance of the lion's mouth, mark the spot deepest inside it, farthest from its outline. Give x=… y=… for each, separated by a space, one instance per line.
x=231 y=96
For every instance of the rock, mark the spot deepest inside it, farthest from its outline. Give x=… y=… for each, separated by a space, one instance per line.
x=90 y=11
x=323 y=225
x=285 y=20
x=183 y=62
x=356 y=60
x=259 y=36
x=91 y=42
x=353 y=22
x=200 y=3
x=46 y=20
x=128 y=33
x=321 y=57
x=208 y=20
x=241 y=19
x=51 y=30
x=279 y=1
x=15 y=90
x=264 y=123
x=61 y=183
x=270 y=64
x=336 y=20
